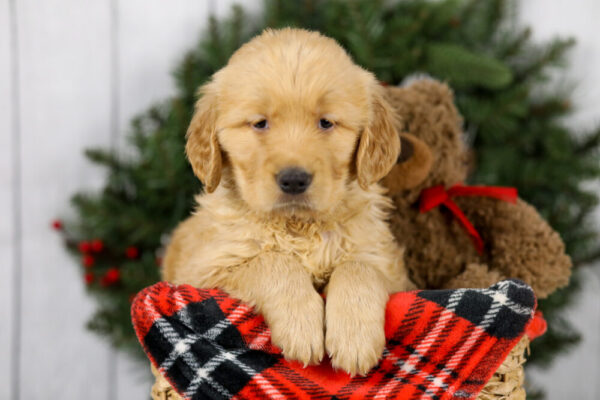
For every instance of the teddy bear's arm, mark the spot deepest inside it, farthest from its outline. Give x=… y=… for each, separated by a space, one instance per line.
x=519 y=243
x=475 y=276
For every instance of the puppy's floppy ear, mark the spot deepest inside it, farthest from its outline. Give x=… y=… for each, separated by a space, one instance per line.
x=202 y=147
x=412 y=167
x=379 y=144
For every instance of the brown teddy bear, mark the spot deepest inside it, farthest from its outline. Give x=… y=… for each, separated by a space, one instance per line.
x=508 y=238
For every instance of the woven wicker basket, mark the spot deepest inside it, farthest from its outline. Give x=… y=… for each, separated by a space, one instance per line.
x=505 y=384
x=161 y=390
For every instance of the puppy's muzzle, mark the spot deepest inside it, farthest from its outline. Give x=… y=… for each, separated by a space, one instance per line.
x=293 y=180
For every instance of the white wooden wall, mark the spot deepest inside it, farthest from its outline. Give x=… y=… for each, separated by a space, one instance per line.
x=577 y=374
x=72 y=74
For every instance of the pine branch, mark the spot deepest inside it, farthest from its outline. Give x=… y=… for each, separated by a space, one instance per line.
x=587 y=259
x=553 y=55
x=105 y=158
x=590 y=144
x=516 y=44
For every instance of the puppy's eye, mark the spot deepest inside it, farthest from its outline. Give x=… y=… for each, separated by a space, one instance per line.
x=261 y=125
x=325 y=124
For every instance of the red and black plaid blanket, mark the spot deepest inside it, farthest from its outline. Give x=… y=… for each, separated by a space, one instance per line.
x=441 y=344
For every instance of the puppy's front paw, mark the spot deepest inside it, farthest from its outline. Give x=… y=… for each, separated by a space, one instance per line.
x=354 y=340
x=298 y=330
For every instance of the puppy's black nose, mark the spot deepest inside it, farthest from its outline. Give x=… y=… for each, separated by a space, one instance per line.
x=293 y=180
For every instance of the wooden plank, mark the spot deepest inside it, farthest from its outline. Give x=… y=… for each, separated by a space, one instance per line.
x=148 y=49
x=222 y=8
x=592 y=335
x=64 y=70
x=577 y=19
x=6 y=202
x=133 y=379
x=575 y=374
x=151 y=47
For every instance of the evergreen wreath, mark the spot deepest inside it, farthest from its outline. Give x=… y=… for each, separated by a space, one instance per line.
x=496 y=70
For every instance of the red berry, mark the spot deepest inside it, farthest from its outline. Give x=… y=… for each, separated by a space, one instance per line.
x=111 y=277
x=132 y=252
x=97 y=245
x=89 y=278
x=85 y=247
x=57 y=225
x=88 y=261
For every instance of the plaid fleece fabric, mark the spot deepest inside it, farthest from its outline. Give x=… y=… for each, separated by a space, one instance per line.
x=441 y=344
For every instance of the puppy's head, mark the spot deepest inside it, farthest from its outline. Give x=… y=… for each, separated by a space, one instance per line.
x=295 y=121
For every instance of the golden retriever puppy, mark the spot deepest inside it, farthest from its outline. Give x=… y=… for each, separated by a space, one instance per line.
x=290 y=139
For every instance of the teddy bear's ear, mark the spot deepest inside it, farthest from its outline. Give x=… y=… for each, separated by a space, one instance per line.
x=412 y=167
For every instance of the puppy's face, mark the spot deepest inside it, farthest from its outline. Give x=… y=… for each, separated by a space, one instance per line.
x=296 y=121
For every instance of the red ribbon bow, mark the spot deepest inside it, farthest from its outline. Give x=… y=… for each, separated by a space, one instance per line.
x=438 y=195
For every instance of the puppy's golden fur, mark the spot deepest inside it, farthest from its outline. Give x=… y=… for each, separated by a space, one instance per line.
x=274 y=250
